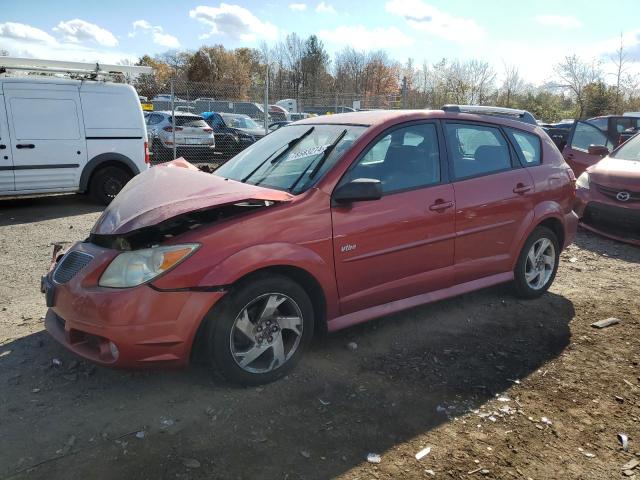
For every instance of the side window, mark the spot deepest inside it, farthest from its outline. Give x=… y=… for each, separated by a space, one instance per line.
x=216 y=122
x=476 y=149
x=585 y=135
x=602 y=123
x=405 y=158
x=153 y=119
x=528 y=144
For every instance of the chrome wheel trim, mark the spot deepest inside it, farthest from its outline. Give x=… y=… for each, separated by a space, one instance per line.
x=266 y=333
x=540 y=263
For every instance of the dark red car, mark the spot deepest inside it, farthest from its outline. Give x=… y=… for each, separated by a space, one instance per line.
x=324 y=224
x=608 y=196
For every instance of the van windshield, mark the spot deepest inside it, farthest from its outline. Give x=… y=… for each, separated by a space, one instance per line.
x=292 y=158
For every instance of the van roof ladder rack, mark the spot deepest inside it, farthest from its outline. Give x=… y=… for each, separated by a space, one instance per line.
x=512 y=113
x=91 y=70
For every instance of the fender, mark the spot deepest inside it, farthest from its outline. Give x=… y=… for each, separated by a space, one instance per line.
x=541 y=212
x=96 y=161
x=258 y=257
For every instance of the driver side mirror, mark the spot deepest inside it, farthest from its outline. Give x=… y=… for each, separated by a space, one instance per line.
x=599 y=150
x=358 y=190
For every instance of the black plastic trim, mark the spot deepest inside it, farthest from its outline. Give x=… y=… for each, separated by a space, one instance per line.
x=41 y=167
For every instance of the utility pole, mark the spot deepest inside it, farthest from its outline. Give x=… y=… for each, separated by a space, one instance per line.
x=405 y=91
x=173 y=117
x=266 y=101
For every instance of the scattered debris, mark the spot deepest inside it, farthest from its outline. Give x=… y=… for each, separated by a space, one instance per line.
x=546 y=421
x=140 y=434
x=631 y=464
x=623 y=438
x=471 y=472
x=573 y=260
x=55 y=362
x=586 y=454
x=423 y=453
x=305 y=453
x=323 y=402
x=619 y=399
x=504 y=399
x=373 y=458
x=191 y=463
x=430 y=472
x=607 y=322
x=352 y=346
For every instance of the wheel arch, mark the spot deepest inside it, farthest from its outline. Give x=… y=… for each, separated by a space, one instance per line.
x=105 y=160
x=548 y=214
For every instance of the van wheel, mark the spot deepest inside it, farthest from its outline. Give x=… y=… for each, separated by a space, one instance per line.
x=261 y=330
x=537 y=264
x=107 y=182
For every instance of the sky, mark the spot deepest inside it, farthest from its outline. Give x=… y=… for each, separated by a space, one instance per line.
x=531 y=35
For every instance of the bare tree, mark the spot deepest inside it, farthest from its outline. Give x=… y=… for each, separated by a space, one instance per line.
x=575 y=75
x=620 y=60
x=481 y=77
x=512 y=83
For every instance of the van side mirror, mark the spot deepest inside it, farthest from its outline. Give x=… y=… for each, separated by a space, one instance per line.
x=599 y=150
x=358 y=190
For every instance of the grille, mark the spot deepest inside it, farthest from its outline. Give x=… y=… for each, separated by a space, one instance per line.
x=621 y=221
x=612 y=192
x=71 y=264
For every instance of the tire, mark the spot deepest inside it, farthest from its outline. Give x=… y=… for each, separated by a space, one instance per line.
x=534 y=274
x=160 y=153
x=107 y=182
x=254 y=357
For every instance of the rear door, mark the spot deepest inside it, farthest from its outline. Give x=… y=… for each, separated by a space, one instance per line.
x=6 y=165
x=493 y=196
x=47 y=135
x=402 y=244
x=576 y=152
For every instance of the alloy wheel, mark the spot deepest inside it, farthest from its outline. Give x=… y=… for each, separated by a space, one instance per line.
x=266 y=333
x=540 y=263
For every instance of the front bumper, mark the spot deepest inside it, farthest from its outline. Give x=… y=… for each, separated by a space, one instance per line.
x=146 y=326
x=608 y=217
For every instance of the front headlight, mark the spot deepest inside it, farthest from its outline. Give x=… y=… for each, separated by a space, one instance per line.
x=583 y=181
x=139 y=266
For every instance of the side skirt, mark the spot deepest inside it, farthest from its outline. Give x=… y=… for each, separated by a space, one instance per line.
x=399 y=305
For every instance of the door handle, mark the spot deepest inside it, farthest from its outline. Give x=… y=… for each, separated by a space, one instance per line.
x=2 y=147
x=440 y=206
x=25 y=145
x=521 y=188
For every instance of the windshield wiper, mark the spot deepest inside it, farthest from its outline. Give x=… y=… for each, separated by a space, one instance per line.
x=325 y=155
x=290 y=145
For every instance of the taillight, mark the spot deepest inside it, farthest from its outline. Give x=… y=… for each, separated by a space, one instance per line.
x=207 y=129
x=572 y=176
x=170 y=129
x=146 y=153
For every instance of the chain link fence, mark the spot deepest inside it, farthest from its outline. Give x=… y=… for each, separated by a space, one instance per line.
x=209 y=124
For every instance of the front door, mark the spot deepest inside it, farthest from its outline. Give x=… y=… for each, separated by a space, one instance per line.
x=493 y=199
x=576 y=152
x=402 y=244
x=47 y=135
x=6 y=165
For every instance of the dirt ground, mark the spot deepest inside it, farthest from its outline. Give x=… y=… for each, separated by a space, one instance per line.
x=471 y=377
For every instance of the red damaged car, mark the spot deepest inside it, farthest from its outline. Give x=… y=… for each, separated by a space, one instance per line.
x=324 y=224
x=608 y=196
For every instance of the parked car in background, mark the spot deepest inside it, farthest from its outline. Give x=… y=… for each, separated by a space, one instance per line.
x=321 y=225
x=586 y=145
x=559 y=132
x=276 y=125
x=278 y=113
x=615 y=126
x=608 y=194
x=193 y=136
x=233 y=132
x=62 y=135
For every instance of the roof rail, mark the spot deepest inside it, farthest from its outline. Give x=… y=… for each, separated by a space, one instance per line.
x=512 y=113
x=92 y=70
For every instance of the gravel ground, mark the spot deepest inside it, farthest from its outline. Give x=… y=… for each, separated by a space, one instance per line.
x=496 y=387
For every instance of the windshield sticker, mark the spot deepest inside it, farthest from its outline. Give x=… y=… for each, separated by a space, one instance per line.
x=307 y=152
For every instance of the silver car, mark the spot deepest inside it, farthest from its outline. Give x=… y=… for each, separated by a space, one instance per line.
x=193 y=137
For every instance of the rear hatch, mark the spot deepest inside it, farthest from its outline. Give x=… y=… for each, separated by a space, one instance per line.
x=191 y=130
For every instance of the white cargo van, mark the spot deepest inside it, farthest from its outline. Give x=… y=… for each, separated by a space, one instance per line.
x=64 y=135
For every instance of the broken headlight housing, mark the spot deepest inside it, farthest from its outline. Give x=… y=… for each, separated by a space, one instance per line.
x=136 y=267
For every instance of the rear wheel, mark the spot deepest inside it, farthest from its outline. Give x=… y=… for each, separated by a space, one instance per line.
x=537 y=263
x=261 y=330
x=107 y=182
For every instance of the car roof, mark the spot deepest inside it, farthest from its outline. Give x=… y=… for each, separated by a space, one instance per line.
x=374 y=118
x=178 y=113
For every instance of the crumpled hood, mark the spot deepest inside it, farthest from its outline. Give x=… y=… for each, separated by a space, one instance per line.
x=614 y=173
x=173 y=189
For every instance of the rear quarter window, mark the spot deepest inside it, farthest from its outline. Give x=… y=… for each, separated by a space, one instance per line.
x=528 y=146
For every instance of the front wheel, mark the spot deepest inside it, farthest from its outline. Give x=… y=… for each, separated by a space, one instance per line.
x=261 y=329
x=537 y=264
